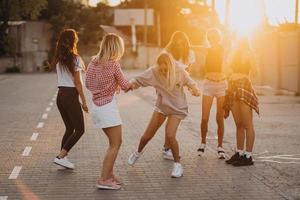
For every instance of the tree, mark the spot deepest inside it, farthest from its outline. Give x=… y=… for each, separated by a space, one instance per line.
x=70 y=14
x=173 y=18
x=16 y=10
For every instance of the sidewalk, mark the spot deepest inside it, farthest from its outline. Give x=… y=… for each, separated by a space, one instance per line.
x=205 y=177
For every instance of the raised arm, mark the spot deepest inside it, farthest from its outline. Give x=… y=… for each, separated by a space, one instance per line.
x=144 y=79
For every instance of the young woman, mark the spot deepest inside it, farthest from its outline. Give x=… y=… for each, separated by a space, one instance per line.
x=168 y=79
x=69 y=68
x=103 y=77
x=214 y=86
x=241 y=100
x=180 y=50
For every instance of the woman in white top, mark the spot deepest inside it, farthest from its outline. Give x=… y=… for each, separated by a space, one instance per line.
x=180 y=49
x=69 y=68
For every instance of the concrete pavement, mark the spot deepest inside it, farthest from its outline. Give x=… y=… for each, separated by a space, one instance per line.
x=31 y=131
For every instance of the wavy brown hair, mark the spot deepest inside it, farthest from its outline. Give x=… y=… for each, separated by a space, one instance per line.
x=179 y=46
x=66 y=50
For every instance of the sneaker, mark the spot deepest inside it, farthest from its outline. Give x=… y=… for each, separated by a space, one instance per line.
x=233 y=158
x=64 y=162
x=109 y=184
x=201 y=149
x=177 y=170
x=117 y=180
x=221 y=153
x=133 y=158
x=243 y=161
x=168 y=155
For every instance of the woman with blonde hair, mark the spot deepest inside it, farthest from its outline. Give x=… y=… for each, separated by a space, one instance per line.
x=241 y=99
x=103 y=77
x=214 y=86
x=169 y=80
x=179 y=48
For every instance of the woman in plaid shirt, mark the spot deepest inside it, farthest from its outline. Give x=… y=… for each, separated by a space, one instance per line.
x=103 y=77
x=241 y=99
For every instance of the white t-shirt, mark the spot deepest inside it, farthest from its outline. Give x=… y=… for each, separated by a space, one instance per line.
x=191 y=60
x=65 y=77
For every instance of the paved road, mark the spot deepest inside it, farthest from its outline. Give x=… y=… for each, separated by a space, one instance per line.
x=31 y=130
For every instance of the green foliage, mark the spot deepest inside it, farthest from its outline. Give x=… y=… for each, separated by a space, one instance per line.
x=85 y=20
x=13 y=69
x=172 y=18
x=16 y=10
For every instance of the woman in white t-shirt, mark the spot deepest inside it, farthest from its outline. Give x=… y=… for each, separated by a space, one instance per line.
x=69 y=68
x=180 y=50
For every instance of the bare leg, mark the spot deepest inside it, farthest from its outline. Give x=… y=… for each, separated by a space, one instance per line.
x=171 y=129
x=246 y=112
x=156 y=121
x=220 y=120
x=240 y=128
x=114 y=135
x=206 y=106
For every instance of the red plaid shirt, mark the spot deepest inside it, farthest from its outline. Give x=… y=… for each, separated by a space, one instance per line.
x=102 y=79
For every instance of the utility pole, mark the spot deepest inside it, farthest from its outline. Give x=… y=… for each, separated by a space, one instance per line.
x=146 y=31
x=296 y=11
x=213 y=4
x=227 y=11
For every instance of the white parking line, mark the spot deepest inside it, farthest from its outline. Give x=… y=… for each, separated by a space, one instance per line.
x=40 y=125
x=26 y=151
x=44 y=116
x=51 y=104
x=15 y=172
x=48 y=109
x=3 y=197
x=34 y=136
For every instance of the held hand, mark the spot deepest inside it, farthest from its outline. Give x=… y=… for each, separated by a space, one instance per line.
x=118 y=90
x=85 y=108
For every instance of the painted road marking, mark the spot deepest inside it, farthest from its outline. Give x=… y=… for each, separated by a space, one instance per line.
x=34 y=136
x=3 y=197
x=51 y=104
x=26 y=151
x=40 y=125
x=15 y=172
x=48 y=109
x=44 y=116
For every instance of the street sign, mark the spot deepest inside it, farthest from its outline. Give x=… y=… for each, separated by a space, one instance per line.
x=126 y=17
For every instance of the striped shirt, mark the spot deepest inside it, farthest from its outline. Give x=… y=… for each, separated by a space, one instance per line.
x=102 y=80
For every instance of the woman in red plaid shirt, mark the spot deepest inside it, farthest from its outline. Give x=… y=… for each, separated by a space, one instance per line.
x=103 y=77
x=241 y=99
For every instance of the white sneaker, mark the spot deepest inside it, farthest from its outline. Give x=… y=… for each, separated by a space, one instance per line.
x=133 y=158
x=221 y=153
x=168 y=155
x=201 y=149
x=64 y=162
x=177 y=170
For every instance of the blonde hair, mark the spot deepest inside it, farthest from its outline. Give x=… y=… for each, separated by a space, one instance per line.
x=170 y=80
x=111 y=48
x=175 y=51
x=216 y=32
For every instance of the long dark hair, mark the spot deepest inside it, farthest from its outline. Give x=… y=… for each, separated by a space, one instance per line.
x=179 y=46
x=66 y=50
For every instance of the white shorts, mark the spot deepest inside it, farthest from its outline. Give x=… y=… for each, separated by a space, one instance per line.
x=214 y=89
x=107 y=115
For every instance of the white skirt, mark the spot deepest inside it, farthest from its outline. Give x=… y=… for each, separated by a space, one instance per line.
x=107 y=115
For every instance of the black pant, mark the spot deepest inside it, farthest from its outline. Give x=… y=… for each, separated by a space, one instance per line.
x=70 y=109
